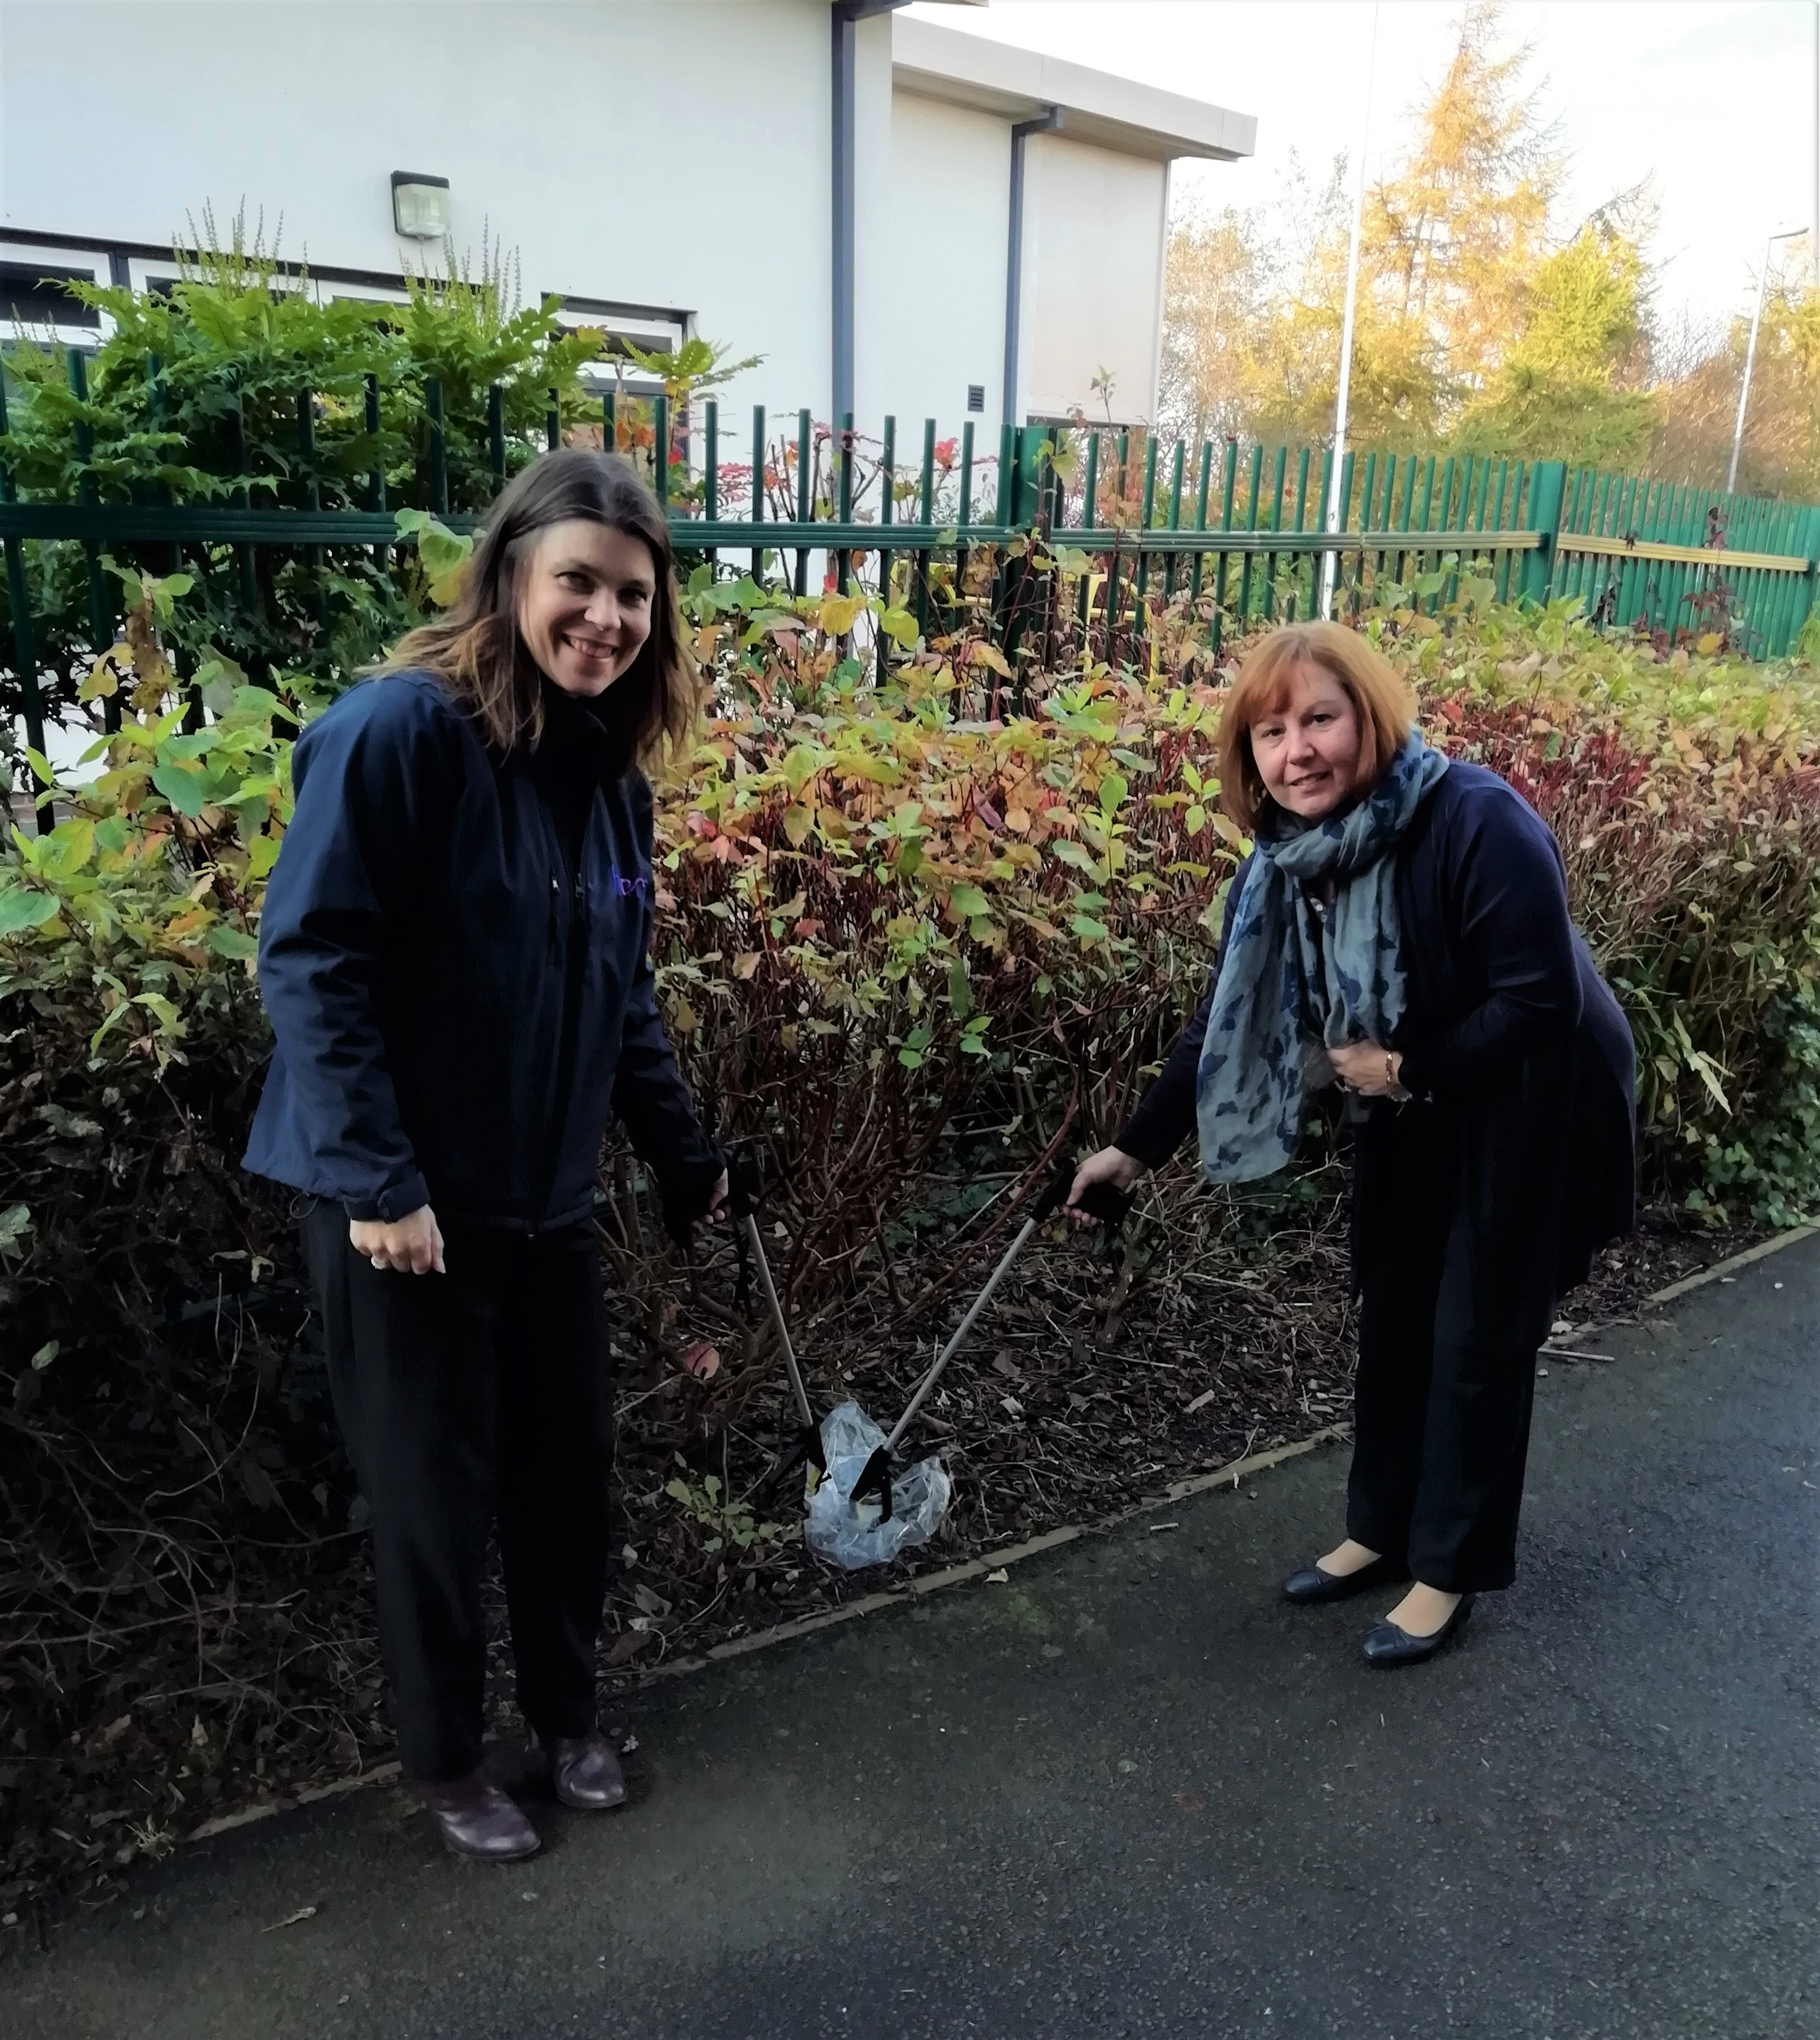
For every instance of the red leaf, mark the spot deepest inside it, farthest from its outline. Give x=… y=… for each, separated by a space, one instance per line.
x=701 y=1360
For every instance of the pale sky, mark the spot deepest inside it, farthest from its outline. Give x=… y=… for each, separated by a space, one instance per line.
x=1713 y=99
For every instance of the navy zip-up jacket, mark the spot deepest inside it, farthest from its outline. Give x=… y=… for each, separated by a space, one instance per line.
x=459 y=994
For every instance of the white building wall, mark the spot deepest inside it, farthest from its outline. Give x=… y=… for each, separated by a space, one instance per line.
x=938 y=323
x=709 y=191
x=671 y=153
x=1094 y=235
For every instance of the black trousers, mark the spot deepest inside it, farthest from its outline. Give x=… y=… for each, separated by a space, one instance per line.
x=1446 y=1377
x=482 y=1396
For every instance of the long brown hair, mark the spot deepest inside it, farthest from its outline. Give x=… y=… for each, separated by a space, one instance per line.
x=475 y=649
x=1384 y=700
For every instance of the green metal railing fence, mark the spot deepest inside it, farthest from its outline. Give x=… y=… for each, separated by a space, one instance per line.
x=1675 y=558
x=1133 y=523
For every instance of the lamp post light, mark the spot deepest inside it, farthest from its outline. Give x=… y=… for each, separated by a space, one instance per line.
x=1788 y=234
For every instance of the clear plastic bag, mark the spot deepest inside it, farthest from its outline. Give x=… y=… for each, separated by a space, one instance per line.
x=834 y=1529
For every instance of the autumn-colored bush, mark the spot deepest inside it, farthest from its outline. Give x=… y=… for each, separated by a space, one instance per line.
x=879 y=904
x=1685 y=794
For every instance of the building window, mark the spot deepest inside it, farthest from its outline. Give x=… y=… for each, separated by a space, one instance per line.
x=31 y=295
x=976 y=396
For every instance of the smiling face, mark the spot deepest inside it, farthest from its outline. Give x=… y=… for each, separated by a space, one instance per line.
x=585 y=595
x=1307 y=747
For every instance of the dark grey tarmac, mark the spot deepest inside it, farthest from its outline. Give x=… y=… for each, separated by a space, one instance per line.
x=1133 y=1793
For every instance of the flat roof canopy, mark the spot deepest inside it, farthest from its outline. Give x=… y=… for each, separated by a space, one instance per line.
x=1022 y=85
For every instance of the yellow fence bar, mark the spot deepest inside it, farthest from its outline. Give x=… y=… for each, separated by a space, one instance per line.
x=1704 y=556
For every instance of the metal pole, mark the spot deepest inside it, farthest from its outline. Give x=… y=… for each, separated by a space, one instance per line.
x=1331 y=522
x=1789 y=234
x=778 y=1324
x=965 y=1326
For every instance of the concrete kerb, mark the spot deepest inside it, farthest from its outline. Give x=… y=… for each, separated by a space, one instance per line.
x=1720 y=1269
x=1229 y=1476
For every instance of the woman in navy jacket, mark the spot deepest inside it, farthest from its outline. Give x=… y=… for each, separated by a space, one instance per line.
x=455 y=954
x=1402 y=926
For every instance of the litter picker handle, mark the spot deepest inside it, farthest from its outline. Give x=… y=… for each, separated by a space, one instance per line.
x=745 y=1181
x=1098 y=1200
x=1109 y=1206
x=1055 y=1192
x=1101 y=1200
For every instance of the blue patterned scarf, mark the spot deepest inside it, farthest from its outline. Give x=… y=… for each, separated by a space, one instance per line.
x=1290 y=987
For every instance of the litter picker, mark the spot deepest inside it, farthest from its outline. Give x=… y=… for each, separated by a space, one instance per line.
x=1102 y=1201
x=745 y=1189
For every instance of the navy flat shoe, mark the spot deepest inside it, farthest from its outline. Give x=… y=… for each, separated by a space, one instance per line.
x=1389 y=1648
x=1311 y=1583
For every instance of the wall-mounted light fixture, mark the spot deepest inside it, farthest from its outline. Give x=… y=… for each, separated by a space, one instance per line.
x=420 y=206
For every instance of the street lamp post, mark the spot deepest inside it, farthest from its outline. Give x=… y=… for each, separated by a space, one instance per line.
x=1788 y=234
x=1331 y=522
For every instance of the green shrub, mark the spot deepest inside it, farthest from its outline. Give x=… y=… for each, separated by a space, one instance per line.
x=1685 y=794
x=876 y=908
x=236 y=388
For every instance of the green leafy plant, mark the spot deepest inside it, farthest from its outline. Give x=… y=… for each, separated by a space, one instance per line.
x=724 y=1522
x=245 y=383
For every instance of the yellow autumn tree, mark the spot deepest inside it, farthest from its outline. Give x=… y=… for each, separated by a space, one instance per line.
x=1698 y=399
x=1479 y=324
x=1570 y=385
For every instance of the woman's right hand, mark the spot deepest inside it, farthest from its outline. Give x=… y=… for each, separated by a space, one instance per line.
x=413 y=1245
x=1110 y=1165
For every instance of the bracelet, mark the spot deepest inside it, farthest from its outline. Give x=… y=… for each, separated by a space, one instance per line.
x=1395 y=1089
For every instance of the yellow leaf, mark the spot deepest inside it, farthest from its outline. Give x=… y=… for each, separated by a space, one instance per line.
x=798 y=820
x=983 y=654
x=683 y=1019
x=745 y=962
x=1708 y=643
x=104 y=673
x=838 y=613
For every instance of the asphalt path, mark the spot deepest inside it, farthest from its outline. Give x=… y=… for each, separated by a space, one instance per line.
x=1133 y=1793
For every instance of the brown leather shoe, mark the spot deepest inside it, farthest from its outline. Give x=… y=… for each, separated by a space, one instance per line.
x=585 y=1770
x=476 y=1818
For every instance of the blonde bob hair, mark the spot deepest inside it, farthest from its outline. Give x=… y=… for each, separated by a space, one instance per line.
x=1383 y=700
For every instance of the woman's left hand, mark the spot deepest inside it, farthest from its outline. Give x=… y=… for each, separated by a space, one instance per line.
x=1368 y=1067
x=717 y=1211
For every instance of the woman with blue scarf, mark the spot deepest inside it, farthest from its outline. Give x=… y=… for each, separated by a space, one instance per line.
x=1401 y=927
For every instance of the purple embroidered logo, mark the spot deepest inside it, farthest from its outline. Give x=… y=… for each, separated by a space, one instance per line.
x=628 y=887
